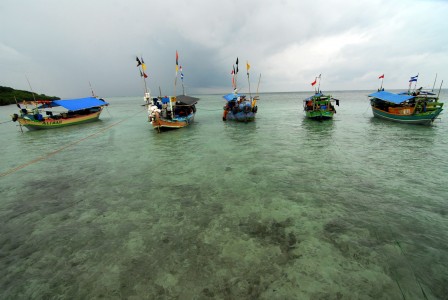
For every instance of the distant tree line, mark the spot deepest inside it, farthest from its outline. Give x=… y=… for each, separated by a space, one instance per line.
x=7 y=95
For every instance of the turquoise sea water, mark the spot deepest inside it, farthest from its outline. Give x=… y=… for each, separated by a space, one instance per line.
x=282 y=208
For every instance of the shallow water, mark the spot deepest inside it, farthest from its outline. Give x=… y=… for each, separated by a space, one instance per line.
x=282 y=208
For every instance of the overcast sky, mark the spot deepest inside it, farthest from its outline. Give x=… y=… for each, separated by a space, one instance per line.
x=61 y=45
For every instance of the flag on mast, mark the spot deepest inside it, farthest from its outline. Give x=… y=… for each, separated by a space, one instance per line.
x=139 y=63
x=143 y=74
x=177 y=62
x=236 y=65
x=181 y=74
x=382 y=76
x=314 y=82
x=247 y=67
x=143 y=64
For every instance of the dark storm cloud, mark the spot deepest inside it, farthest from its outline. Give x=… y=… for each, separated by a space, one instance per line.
x=62 y=45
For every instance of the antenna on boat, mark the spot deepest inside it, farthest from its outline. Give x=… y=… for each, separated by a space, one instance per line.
x=432 y=90
x=160 y=92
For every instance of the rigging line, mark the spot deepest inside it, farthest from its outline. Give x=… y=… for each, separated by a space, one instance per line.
x=5 y=122
x=218 y=109
x=43 y=157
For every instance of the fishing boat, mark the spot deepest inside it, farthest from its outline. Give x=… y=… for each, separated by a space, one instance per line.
x=171 y=112
x=416 y=106
x=46 y=114
x=239 y=107
x=319 y=106
x=168 y=112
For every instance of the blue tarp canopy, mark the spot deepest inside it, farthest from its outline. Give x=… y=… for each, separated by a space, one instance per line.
x=315 y=95
x=391 y=97
x=230 y=97
x=165 y=100
x=79 y=104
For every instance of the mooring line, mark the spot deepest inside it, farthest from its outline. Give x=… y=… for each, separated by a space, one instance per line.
x=63 y=148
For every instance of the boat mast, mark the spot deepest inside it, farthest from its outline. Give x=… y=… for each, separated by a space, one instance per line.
x=439 y=90
x=182 y=79
x=416 y=79
x=432 y=90
x=248 y=80
x=259 y=79
x=175 y=83
x=142 y=69
x=318 y=88
x=236 y=77
x=32 y=92
x=91 y=89
x=382 y=80
x=177 y=69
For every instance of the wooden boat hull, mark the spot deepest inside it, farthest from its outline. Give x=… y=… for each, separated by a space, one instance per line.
x=320 y=114
x=320 y=107
x=160 y=123
x=425 y=118
x=49 y=123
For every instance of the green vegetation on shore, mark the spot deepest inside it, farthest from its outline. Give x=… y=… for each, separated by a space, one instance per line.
x=7 y=95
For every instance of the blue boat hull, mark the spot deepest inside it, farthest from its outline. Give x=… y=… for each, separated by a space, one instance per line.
x=241 y=116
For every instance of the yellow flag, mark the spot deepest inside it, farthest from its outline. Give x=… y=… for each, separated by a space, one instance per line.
x=247 y=66
x=143 y=67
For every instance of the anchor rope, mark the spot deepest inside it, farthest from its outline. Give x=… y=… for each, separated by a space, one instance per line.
x=45 y=156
